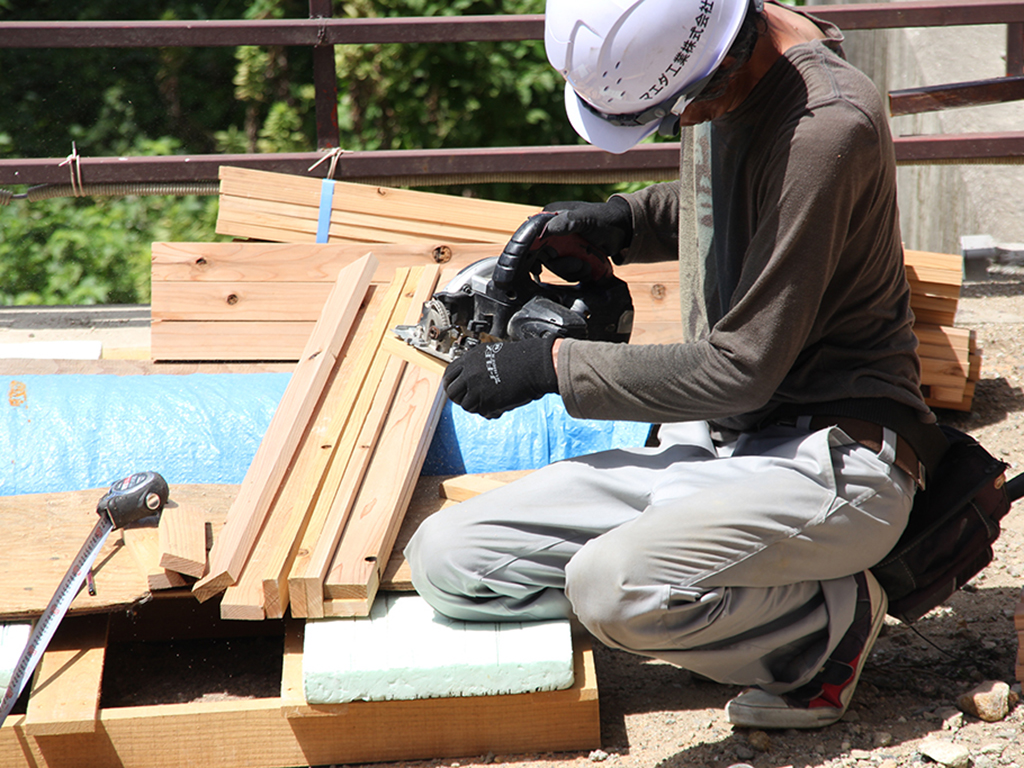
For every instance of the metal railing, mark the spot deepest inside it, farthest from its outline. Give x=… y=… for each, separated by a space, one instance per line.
x=577 y=164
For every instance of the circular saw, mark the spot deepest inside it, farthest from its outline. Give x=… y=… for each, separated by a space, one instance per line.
x=502 y=298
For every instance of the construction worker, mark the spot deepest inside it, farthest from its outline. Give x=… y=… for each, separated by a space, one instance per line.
x=738 y=547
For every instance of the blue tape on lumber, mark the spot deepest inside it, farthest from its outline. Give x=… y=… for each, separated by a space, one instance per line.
x=323 y=224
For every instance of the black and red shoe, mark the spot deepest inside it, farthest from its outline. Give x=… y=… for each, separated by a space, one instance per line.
x=824 y=699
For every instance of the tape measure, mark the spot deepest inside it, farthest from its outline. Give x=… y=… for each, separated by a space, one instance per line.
x=133 y=498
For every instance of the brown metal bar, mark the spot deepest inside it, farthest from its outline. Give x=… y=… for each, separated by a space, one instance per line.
x=233 y=32
x=1015 y=49
x=931 y=98
x=969 y=147
x=657 y=161
x=920 y=13
x=325 y=84
x=448 y=29
x=352 y=165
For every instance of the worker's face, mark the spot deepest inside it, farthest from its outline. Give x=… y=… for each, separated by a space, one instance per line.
x=705 y=109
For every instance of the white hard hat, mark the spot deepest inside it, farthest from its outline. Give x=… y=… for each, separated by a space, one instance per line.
x=629 y=64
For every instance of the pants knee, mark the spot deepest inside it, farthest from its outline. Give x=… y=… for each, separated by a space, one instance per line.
x=598 y=585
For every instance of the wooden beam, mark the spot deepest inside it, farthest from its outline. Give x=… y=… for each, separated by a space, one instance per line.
x=182 y=539
x=280 y=442
x=65 y=695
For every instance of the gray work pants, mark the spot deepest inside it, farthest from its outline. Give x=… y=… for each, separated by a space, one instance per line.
x=734 y=561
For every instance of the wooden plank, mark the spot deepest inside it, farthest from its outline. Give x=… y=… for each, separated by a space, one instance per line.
x=380 y=506
x=380 y=225
x=263 y=302
x=253 y=733
x=44 y=531
x=308 y=572
x=240 y=341
x=300 y=262
x=374 y=380
x=451 y=210
x=951 y=265
x=182 y=539
x=266 y=216
x=65 y=695
x=393 y=464
x=280 y=441
x=143 y=543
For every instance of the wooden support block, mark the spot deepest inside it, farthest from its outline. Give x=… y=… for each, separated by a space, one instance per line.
x=143 y=543
x=462 y=487
x=280 y=442
x=65 y=695
x=292 y=695
x=182 y=538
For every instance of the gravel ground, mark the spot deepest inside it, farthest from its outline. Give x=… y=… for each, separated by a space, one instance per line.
x=656 y=716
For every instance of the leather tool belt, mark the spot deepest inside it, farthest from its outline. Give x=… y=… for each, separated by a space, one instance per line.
x=870 y=436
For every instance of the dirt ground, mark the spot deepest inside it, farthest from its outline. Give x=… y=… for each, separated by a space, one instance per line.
x=656 y=716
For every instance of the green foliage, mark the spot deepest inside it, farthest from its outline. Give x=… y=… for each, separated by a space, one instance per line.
x=91 y=250
x=118 y=102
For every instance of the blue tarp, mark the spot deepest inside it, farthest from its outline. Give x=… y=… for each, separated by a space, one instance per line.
x=64 y=432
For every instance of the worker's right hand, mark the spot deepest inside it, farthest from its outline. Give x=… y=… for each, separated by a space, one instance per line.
x=577 y=243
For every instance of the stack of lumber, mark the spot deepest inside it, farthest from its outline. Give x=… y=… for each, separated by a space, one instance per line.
x=286 y=208
x=950 y=357
x=259 y=300
x=320 y=507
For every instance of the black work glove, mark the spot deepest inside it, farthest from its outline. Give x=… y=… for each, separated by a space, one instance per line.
x=490 y=379
x=606 y=227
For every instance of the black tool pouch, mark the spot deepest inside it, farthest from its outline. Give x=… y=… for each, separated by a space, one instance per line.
x=952 y=526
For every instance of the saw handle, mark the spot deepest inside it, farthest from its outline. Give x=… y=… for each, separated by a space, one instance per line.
x=516 y=256
x=133 y=498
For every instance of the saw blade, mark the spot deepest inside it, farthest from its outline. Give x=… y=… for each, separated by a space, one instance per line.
x=435 y=333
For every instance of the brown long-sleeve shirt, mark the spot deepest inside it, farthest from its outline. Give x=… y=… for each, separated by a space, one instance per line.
x=804 y=295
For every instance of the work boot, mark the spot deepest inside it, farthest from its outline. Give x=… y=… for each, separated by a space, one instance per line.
x=824 y=699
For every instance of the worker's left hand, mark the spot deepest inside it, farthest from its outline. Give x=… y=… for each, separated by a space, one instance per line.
x=490 y=379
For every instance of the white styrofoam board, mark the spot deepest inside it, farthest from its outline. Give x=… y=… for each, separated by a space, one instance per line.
x=13 y=638
x=405 y=650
